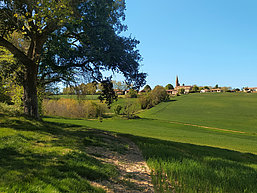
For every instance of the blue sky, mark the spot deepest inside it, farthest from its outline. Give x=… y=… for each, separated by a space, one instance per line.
x=204 y=42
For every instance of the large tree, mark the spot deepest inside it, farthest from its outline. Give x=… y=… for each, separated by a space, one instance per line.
x=64 y=39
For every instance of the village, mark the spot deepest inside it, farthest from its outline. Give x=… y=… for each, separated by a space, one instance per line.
x=186 y=89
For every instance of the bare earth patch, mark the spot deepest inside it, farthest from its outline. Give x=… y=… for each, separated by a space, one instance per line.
x=124 y=154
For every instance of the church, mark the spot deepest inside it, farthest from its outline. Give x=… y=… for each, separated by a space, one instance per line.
x=178 y=88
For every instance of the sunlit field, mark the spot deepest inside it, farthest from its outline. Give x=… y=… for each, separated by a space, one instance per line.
x=196 y=142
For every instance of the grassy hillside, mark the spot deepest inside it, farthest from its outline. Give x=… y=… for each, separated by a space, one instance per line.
x=172 y=132
x=186 y=158
x=235 y=111
x=45 y=157
x=196 y=143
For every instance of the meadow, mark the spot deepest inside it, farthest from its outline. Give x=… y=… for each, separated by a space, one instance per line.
x=194 y=143
x=36 y=156
x=234 y=111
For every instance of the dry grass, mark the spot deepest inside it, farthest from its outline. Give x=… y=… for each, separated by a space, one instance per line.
x=73 y=108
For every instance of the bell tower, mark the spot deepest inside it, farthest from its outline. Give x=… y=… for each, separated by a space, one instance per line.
x=177 y=82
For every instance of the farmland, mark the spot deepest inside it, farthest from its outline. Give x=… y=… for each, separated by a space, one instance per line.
x=196 y=142
x=235 y=111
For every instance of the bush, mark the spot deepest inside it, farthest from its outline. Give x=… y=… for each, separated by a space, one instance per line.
x=157 y=95
x=11 y=110
x=145 y=102
x=73 y=108
x=117 y=109
x=130 y=109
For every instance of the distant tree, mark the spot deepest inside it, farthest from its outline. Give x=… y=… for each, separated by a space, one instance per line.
x=206 y=87
x=70 y=90
x=216 y=86
x=91 y=88
x=226 y=89
x=195 y=88
x=159 y=94
x=147 y=88
x=169 y=87
x=131 y=94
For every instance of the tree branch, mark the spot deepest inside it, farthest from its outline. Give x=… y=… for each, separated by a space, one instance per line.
x=16 y=52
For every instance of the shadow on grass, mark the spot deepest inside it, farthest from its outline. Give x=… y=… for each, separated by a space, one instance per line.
x=180 y=167
x=48 y=157
x=170 y=100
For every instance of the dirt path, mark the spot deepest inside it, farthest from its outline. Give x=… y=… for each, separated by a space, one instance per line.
x=124 y=154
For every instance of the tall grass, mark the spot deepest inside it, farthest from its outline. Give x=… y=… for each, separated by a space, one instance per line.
x=73 y=108
x=190 y=168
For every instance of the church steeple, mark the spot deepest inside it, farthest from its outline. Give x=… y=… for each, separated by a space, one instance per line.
x=177 y=82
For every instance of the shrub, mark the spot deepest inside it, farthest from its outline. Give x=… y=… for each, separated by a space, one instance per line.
x=130 y=109
x=73 y=108
x=145 y=102
x=11 y=110
x=117 y=109
x=158 y=95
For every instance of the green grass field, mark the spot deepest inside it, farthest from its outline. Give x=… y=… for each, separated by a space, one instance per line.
x=194 y=143
x=45 y=157
x=190 y=143
x=235 y=111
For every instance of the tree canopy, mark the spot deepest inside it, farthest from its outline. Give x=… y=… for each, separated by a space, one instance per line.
x=65 y=40
x=147 y=88
x=169 y=87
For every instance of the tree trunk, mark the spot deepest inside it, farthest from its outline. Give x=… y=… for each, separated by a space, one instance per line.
x=30 y=91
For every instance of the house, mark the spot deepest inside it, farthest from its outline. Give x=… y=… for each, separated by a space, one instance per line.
x=216 y=90
x=119 y=92
x=253 y=89
x=250 y=89
x=204 y=90
x=172 y=92
x=186 y=88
